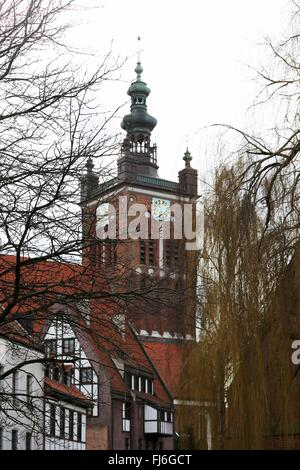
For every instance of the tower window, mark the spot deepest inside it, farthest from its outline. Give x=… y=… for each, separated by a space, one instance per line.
x=147 y=252
x=139 y=100
x=151 y=252
x=143 y=252
x=171 y=254
x=107 y=253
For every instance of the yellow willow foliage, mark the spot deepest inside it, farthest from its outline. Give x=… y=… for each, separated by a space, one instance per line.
x=238 y=378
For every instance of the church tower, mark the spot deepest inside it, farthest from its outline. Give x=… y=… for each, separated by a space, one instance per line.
x=149 y=253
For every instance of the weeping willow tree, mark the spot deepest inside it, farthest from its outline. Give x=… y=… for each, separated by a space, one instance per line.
x=239 y=377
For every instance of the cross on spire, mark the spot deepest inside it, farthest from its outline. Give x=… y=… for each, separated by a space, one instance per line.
x=139 y=48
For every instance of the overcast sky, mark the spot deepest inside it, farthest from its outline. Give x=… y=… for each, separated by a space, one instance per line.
x=194 y=54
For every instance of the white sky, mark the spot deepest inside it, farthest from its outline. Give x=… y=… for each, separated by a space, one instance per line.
x=195 y=57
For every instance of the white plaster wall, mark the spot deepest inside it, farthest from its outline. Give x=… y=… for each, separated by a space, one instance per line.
x=23 y=418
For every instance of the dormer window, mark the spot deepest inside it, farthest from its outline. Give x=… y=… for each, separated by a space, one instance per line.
x=139 y=383
x=68 y=346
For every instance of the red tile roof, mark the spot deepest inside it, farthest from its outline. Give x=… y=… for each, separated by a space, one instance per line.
x=70 y=392
x=45 y=283
x=168 y=358
x=14 y=332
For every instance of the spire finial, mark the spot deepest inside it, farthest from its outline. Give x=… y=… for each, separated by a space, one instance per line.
x=89 y=165
x=139 y=48
x=139 y=69
x=187 y=157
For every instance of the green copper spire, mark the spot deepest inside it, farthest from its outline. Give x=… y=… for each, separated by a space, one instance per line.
x=138 y=154
x=139 y=70
x=138 y=121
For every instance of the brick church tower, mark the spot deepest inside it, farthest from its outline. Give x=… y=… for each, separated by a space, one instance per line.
x=145 y=254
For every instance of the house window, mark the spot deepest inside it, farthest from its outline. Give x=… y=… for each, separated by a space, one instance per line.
x=149 y=386
x=79 y=427
x=136 y=382
x=52 y=420
x=29 y=382
x=67 y=377
x=50 y=347
x=15 y=380
x=14 y=439
x=62 y=417
x=128 y=379
x=1 y=372
x=165 y=416
x=68 y=346
x=126 y=417
x=143 y=384
x=28 y=441
x=86 y=375
x=49 y=371
x=71 y=425
x=56 y=373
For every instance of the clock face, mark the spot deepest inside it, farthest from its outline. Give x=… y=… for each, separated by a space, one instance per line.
x=161 y=209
